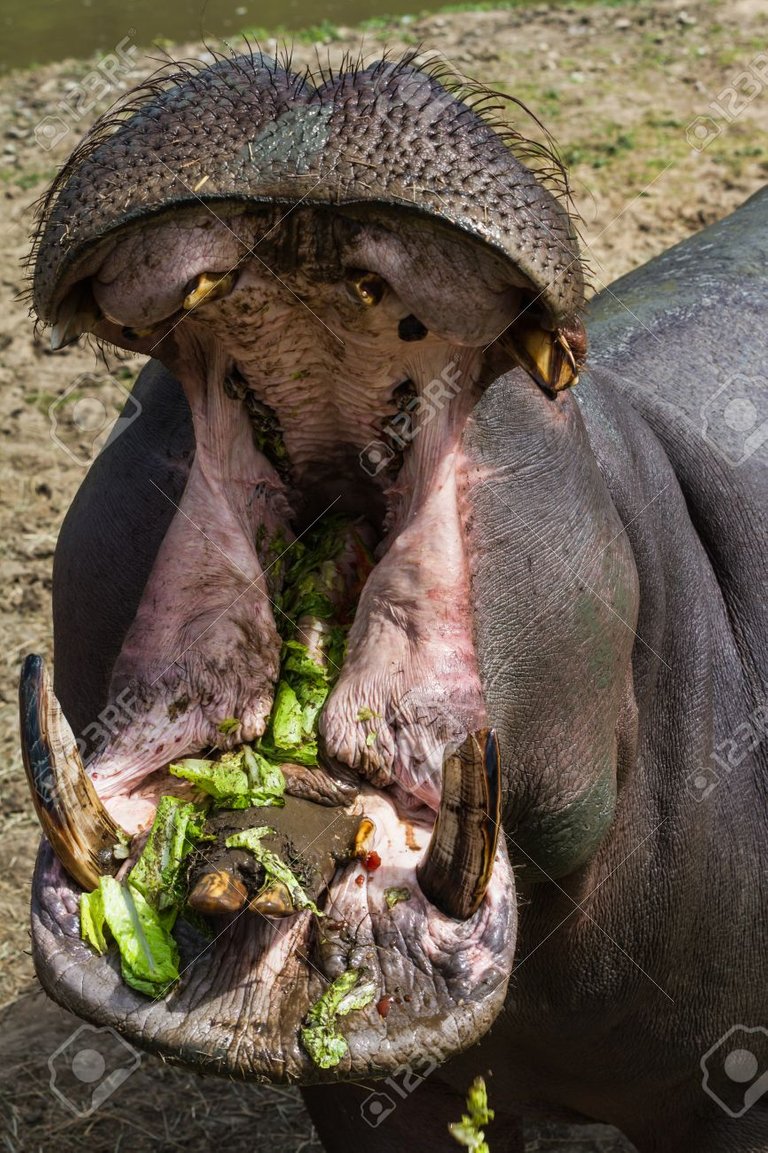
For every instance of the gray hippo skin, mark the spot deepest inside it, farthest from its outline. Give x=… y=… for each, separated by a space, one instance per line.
x=581 y=572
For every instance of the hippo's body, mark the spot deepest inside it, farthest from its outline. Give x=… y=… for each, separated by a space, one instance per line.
x=617 y=553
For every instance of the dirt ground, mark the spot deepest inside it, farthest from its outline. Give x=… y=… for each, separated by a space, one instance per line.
x=637 y=97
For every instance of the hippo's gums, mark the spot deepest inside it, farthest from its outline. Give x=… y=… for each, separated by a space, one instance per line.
x=361 y=302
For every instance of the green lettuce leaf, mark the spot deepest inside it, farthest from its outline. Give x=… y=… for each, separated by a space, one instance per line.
x=92 y=922
x=273 y=866
x=157 y=873
x=468 y=1132
x=395 y=895
x=149 y=957
x=320 y=1034
x=140 y=914
x=237 y=780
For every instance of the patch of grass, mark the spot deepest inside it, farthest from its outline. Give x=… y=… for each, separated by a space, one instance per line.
x=599 y=153
x=26 y=180
x=325 y=33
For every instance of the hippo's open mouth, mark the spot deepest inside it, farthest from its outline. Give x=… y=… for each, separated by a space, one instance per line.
x=331 y=336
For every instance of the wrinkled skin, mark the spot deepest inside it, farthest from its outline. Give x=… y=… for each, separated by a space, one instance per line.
x=583 y=572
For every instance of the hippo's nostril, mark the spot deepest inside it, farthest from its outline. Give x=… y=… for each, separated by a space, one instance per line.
x=206 y=287
x=367 y=287
x=410 y=328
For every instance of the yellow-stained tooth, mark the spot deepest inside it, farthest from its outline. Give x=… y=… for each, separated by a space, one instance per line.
x=209 y=286
x=545 y=354
x=274 y=901
x=218 y=891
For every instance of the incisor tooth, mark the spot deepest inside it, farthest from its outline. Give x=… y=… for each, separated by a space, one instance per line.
x=218 y=891
x=274 y=901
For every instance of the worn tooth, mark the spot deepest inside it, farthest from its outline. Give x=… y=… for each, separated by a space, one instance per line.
x=364 y=837
x=209 y=286
x=546 y=355
x=367 y=287
x=77 y=313
x=218 y=891
x=79 y=828
x=274 y=901
x=456 y=868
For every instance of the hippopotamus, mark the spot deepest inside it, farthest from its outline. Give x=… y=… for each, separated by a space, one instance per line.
x=362 y=297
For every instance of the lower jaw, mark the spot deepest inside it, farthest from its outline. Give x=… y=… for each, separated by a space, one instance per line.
x=242 y=998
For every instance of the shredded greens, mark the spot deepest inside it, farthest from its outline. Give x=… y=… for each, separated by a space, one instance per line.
x=394 y=896
x=140 y=914
x=272 y=865
x=313 y=643
x=237 y=780
x=320 y=1034
x=468 y=1132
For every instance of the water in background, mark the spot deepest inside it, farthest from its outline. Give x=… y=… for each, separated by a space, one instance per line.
x=40 y=31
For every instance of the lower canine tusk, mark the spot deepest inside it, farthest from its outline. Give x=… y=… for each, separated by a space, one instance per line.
x=79 y=828
x=456 y=869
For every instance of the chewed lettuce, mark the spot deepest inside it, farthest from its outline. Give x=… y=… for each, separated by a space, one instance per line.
x=175 y=831
x=242 y=779
x=313 y=600
x=468 y=1131
x=149 y=957
x=273 y=866
x=320 y=1034
x=140 y=914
